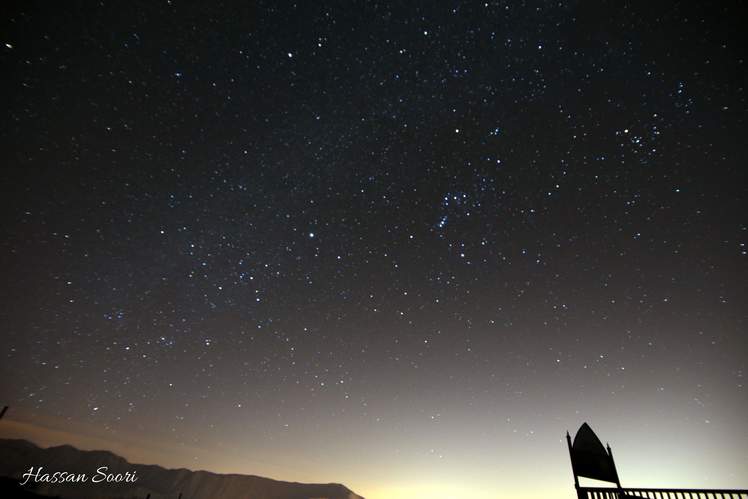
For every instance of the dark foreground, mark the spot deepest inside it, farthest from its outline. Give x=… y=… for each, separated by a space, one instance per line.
x=18 y=456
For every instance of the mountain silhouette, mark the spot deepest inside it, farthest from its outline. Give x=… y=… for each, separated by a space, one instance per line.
x=18 y=456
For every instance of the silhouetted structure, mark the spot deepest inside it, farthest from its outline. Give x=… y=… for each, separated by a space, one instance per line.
x=2 y=413
x=589 y=459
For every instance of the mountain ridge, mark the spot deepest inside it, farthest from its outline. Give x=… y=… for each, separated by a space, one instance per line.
x=17 y=456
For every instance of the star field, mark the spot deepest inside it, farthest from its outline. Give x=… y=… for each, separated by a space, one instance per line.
x=267 y=238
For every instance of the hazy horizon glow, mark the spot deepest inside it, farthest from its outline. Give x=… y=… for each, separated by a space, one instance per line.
x=404 y=248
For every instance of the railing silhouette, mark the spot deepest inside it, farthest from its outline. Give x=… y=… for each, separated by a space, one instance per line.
x=625 y=493
x=589 y=459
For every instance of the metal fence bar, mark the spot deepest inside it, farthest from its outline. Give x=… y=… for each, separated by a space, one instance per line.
x=612 y=493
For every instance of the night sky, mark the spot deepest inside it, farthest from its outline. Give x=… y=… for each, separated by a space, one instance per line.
x=403 y=247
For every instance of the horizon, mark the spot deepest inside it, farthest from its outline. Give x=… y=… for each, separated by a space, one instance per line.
x=682 y=472
x=401 y=247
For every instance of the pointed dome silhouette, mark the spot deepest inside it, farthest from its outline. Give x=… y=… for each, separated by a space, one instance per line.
x=590 y=458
